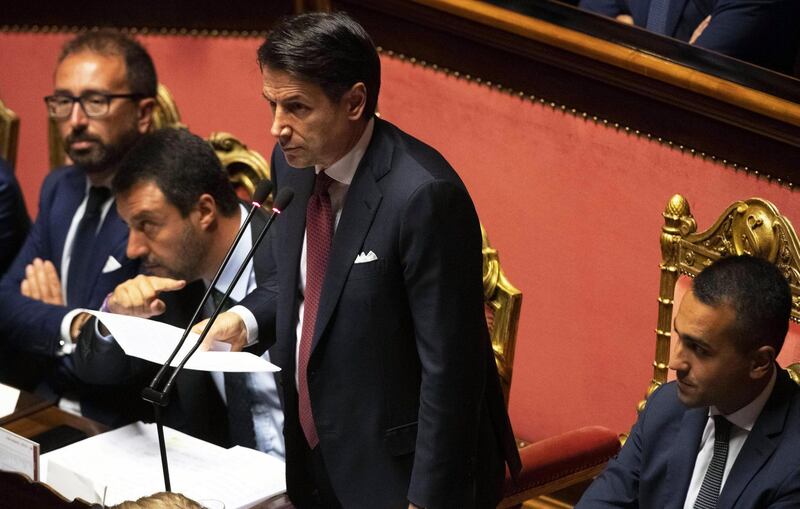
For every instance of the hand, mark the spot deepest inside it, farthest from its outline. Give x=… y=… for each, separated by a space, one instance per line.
x=42 y=283
x=228 y=328
x=700 y=29
x=139 y=296
x=625 y=19
x=77 y=324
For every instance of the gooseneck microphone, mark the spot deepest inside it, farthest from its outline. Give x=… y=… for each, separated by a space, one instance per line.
x=160 y=398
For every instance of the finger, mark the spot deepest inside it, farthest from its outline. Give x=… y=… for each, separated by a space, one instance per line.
x=25 y=288
x=41 y=280
x=165 y=284
x=53 y=282
x=157 y=307
x=30 y=276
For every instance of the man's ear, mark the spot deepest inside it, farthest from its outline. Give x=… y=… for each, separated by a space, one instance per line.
x=145 y=109
x=761 y=362
x=355 y=101
x=207 y=207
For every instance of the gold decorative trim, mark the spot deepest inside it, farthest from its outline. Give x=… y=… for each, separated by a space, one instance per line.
x=9 y=134
x=192 y=32
x=588 y=117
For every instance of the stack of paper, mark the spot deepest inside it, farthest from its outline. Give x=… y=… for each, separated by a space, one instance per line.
x=125 y=464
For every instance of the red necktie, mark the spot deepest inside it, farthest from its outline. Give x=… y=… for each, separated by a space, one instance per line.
x=319 y=234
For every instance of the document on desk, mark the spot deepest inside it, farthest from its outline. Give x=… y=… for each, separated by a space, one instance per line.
x=9 y=396
x=154 y=341
x=18 y=454
x=125 y=465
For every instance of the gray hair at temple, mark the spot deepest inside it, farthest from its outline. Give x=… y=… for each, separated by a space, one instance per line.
x=330 y=50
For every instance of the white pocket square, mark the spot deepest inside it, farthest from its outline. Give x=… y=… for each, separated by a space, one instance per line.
x=111 y=265
x=366 y=257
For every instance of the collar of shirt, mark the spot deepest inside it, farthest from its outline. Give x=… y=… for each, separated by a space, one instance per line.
x=746 y=416
x=342 y=171
x=237 y=258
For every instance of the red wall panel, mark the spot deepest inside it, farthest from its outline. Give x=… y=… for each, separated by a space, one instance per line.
x=573 y=206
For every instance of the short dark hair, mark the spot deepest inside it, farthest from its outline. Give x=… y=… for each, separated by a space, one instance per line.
x=330 y=50
x=758 y=293
x=139 y=69
x=182 y=165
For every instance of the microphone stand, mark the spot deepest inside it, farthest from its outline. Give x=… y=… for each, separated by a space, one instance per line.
x=160 y=397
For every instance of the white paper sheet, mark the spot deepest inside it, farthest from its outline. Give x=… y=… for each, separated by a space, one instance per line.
x=18 y=454
x=8 y=399
x=154 y=341
x=125 y=464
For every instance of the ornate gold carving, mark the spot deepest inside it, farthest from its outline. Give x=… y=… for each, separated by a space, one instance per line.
x=503 y=302
x=753 y=227
x=165 y=114
x=245 y=167
x=9 y=134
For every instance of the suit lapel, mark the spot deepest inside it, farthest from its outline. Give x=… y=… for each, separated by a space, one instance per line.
x=674 y=15
x=113 y=232
x=684 y=452
x=76 y=183
x=760 y=443
x=360 y=207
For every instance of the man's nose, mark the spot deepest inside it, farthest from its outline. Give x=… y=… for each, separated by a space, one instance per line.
x=77 y=117
x=137 y=246
x=280 y=130
x=677 y=361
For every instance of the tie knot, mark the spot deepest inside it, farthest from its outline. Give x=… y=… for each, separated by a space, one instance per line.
x=322 y=183
x=97 y=196
x=722 y=428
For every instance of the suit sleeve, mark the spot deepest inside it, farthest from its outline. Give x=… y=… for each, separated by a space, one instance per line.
x=440 y=246
x=27 y=324
x=102 y=362
x=765 y=32
x=618 y=485
x=14 y=221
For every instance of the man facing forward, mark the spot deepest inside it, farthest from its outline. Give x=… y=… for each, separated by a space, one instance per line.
x=390 y=391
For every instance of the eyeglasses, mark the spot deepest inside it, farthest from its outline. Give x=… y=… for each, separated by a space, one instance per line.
x=94 y=104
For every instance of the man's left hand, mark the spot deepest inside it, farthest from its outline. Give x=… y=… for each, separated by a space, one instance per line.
x=228 y=328
x=42 y=283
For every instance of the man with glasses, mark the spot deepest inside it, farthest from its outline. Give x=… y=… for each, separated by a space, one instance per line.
x=103 y=99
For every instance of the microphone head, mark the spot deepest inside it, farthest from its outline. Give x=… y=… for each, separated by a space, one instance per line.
x=262 y=191
x=283 y=199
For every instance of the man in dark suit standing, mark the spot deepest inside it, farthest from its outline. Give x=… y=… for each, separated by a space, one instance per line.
x=390 y=391
x=104 y=89
x=762 y=32
x=727 y=432
x=183 y=215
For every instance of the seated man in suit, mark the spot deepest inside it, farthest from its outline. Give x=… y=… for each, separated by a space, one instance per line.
x=727 y=432
x=103 y=98
x=389 y=384
x=183 y=215
x=763 y=32
x=14 y=220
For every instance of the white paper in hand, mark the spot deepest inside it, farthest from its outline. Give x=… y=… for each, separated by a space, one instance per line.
x=154 y=341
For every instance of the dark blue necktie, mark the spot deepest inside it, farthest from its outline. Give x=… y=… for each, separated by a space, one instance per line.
x=657 y=16
x=712 y=482
x=83 y=247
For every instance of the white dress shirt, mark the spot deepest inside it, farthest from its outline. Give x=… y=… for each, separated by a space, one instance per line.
x=742 y=421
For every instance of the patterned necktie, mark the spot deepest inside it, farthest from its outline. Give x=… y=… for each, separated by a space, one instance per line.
x=709 y=490
x=319 y=235
x=657 y=16
x=237 y=394
x=83 y=246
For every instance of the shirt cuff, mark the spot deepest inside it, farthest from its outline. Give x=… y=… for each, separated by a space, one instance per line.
x=250 y=323
x=65 y=345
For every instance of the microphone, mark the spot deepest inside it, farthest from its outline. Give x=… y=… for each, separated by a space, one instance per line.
x=151 y=392
x=160 y=398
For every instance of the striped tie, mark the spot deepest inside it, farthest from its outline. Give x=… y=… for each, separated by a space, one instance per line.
x=709 y=490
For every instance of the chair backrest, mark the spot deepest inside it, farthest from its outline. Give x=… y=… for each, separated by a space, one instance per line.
x=503 y=304
x=245 y=167
x=9 y=134
x=753 y=227
x=165 y=114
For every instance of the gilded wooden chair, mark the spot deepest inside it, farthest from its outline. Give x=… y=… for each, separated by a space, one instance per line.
x=557 y=462
x=753 y=227
x=165 y=114
x=9 y=134
x=245 y=167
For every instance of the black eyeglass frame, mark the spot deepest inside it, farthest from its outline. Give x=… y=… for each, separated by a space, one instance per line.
x=83 y=97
